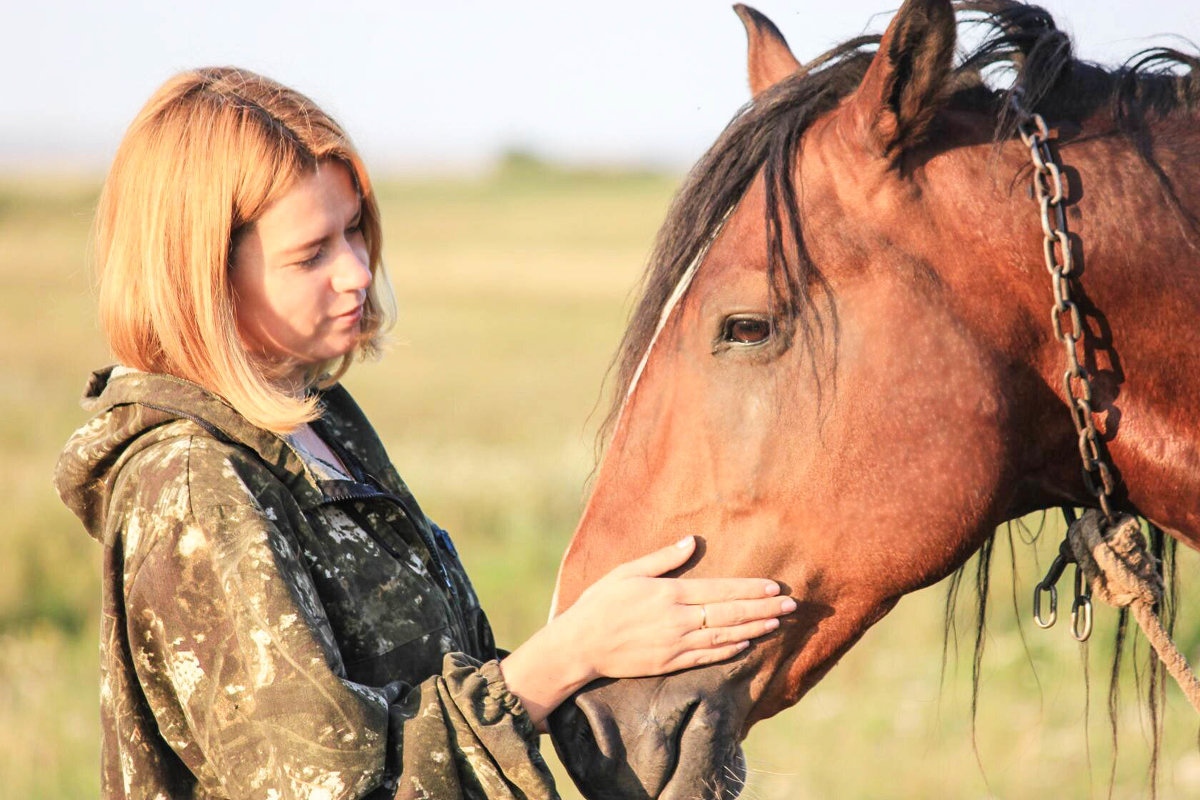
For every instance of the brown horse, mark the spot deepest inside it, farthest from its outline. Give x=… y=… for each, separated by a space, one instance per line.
x=842 y=371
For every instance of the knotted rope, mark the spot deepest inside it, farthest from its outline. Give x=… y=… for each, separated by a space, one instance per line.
x=1122 y=573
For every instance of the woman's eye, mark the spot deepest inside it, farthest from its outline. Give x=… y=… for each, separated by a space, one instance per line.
x=747 y=330
x=313 y=259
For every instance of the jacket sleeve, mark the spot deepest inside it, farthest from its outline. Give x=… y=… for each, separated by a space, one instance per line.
x=240 y=668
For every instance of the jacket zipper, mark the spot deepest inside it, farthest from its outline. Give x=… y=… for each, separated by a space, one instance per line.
x=450 y=598
x=362 y=492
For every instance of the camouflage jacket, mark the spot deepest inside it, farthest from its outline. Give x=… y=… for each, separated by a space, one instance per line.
x=269 y=632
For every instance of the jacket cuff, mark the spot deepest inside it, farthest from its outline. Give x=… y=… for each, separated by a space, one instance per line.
x=496 y=701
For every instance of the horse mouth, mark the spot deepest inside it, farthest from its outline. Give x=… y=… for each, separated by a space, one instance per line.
x=709 y=763
x=724 y=780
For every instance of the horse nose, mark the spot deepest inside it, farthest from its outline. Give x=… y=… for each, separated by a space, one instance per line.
x=612 y=756
x=649 y=738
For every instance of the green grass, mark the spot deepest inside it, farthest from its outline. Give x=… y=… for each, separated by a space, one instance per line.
x=512 y=293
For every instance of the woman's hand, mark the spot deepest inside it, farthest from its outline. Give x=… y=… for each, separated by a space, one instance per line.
x=633 y=623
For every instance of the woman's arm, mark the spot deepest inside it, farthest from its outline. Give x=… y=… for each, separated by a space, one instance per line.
x=633 y=623
x=230 y=646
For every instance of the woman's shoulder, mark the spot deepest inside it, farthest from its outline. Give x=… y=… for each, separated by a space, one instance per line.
x=184 y=472
x=185 y=458
x=188 y=495
x=152 y=431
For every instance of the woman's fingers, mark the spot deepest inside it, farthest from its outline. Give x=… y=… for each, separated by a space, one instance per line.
x=639 y=623
x=710 y=645
x=658 y=562
x=712 y=655
x=733 y=612
x=712 y=590
x=709 y=638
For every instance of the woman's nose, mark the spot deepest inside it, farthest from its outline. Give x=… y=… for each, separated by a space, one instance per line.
x=352 y=273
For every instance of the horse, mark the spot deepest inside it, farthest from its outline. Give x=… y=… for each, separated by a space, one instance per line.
x=842 y=371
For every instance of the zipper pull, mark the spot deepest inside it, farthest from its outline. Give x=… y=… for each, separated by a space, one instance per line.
x=444 y=538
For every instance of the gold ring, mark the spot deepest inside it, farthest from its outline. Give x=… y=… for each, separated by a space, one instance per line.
x=703 y=617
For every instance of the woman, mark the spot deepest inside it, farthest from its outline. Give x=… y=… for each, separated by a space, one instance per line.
x=280 y=618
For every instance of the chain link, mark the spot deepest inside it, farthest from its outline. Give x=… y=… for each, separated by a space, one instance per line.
x=1049 y=189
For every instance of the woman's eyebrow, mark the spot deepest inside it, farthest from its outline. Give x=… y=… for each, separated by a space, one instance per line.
x=320 y=239
x=307 y=245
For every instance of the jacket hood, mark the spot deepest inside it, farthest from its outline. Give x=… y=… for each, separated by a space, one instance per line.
x=134 y=410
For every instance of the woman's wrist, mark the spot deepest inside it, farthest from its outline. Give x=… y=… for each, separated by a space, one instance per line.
x=547 y=669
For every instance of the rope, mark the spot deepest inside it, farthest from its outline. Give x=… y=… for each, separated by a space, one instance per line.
x=1122 y=573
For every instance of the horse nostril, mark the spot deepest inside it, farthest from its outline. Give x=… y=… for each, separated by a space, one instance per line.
x=592 y=746
x=664 y=738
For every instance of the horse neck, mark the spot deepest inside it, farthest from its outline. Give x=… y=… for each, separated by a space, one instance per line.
x=1138 y=246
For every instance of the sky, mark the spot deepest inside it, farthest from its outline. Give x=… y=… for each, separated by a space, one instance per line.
x=435 y=86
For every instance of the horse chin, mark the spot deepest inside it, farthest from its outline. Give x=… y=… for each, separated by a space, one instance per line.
x=682 y=744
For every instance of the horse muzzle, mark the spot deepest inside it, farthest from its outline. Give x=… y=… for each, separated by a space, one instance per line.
x=666 y=738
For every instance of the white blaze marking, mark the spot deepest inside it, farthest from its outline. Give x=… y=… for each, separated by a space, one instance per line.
x=673 y=300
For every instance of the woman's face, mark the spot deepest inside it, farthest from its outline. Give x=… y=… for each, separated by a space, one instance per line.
x=300 y=273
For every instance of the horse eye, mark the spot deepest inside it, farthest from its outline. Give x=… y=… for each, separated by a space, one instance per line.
x=746 y=330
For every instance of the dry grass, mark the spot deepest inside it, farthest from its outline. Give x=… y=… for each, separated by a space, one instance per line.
x=512 y=293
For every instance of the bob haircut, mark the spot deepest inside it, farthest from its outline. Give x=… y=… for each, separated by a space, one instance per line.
x=202 y=160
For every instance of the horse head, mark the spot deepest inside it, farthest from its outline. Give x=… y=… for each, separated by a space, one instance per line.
x=842 y=374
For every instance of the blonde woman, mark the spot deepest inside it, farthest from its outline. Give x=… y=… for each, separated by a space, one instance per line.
x=280 y=619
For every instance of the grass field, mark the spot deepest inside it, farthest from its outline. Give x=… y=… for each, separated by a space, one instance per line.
x=512 y=291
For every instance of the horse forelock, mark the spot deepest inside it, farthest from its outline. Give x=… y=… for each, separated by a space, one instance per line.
x=764 y=136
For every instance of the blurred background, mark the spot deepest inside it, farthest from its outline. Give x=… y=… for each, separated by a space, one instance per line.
x=525 y=153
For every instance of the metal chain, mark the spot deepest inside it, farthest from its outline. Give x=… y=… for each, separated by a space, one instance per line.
x=1065 y=318
x=1115 y=575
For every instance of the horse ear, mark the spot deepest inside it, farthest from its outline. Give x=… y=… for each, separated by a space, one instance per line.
x=770 y=60
x=899 y=94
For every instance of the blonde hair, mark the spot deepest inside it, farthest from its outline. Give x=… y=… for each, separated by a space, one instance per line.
x=203 y=159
